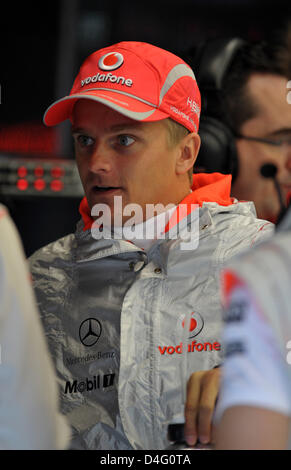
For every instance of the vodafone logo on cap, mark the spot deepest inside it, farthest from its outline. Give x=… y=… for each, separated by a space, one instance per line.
x=111 y=61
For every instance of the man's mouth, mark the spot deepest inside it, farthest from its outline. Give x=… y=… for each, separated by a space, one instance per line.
x=101 y=189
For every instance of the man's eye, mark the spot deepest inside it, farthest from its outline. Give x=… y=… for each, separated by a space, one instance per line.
x=85 y=141
x=125 y=140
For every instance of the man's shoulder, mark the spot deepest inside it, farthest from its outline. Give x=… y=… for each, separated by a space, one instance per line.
x=240 y=217
x=239 y=229
x=63 y=248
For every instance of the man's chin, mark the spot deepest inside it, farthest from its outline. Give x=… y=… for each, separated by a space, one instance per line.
x=108 y=199
x=107 y=211
x=115 y=210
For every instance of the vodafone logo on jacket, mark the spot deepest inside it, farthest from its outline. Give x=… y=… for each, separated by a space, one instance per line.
x=111 y=61
x=196 y=325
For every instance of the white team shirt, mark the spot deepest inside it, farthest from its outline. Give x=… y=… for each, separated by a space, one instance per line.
x=29 y=417
x=254 y=371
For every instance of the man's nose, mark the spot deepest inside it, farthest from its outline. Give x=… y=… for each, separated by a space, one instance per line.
x=100 y=159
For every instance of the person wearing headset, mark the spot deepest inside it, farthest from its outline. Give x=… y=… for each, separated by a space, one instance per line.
x=246 y=120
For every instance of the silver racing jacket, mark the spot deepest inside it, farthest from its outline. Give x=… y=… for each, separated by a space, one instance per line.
x=114 y=317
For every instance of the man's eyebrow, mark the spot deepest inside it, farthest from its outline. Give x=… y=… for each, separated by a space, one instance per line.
x=78 y=130
x=126 y=125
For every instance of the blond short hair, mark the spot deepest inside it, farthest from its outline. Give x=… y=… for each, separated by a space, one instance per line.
x=177 y=132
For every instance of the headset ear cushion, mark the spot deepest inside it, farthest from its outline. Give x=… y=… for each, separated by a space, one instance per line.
x=218 y=150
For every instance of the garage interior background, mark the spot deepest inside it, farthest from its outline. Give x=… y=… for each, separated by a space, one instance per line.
x=42 y=47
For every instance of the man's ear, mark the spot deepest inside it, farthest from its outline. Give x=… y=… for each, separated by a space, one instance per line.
x=188 y=151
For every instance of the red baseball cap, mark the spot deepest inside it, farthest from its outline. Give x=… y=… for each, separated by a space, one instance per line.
x=138 y=80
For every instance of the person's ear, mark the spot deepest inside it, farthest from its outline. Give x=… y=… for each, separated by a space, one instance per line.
x=187 y=153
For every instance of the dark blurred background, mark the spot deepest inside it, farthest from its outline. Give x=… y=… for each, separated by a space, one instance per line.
x=42 y=47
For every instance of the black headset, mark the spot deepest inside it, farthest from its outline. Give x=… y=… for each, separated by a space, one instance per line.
x=211 y=63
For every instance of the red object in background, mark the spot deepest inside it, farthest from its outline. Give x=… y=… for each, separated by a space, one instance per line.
x=39 y=184
x=57 y=172
x=22 y=184
x=56 y=185
x=30 y=138
x=22 y=171
x=39 y=171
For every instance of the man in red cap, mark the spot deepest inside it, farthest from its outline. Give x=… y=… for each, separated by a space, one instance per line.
x=131 y=305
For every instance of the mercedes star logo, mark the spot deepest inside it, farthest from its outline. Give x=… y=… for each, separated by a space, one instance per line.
x=90 y=331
